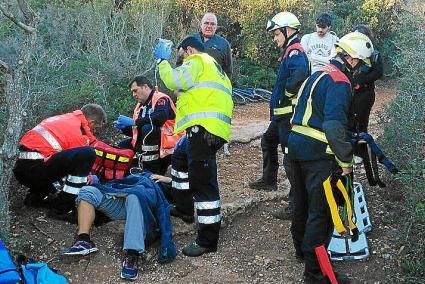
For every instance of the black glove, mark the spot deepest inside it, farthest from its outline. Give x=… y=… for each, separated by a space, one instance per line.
x=213 y=140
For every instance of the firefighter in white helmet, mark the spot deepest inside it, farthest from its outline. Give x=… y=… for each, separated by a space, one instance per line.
x=319 y=147
x=293 y=70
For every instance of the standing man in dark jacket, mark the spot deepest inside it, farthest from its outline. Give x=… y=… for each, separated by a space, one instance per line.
x=319 y=146
x=293 y=70
x=154 y=114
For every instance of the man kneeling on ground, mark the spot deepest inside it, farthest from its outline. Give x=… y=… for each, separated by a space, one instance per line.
x=137 y=199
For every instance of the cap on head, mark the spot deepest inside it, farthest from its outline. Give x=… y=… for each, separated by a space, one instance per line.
x=324 y=20
x=192 y=42
x=356 y=45
x=282 y=20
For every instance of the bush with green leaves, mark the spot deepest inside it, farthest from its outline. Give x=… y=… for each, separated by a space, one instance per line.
x=404 y=138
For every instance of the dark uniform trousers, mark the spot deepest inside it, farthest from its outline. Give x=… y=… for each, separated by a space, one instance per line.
x=277 y=133
x=312 y=222
x=182 y=193
x=39 y=176
x=203 y=183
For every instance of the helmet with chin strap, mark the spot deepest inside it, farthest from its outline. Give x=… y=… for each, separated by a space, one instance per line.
x=356 y=45
x=281 y=21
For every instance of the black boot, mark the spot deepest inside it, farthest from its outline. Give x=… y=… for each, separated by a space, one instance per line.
x=260 y=184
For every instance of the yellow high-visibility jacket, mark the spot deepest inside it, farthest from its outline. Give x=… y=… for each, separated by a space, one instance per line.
x=204 y=94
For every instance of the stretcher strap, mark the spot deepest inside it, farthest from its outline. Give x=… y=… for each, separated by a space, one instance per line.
x=339 y=226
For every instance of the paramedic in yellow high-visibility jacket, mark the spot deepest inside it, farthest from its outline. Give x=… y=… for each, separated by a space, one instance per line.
x=204 y=110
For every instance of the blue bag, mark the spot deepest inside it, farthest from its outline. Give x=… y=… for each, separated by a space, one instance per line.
x=8 y=272
x=40 y=273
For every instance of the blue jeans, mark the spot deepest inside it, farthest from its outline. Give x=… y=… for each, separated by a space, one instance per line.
x=119 y=208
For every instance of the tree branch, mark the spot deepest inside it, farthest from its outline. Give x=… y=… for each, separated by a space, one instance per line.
x=4 y=67
x=26 y=28
x=26 y=10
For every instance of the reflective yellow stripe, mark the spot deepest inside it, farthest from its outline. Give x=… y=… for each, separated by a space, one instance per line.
x=329 y=150
x=344 y=164
x=111 y=156
x=308 y=107
x=99 y=153
x=311 y=132
x=123 y=159
x=339 y=226
x=282 y=110
x=294 y=101
x=288 y=94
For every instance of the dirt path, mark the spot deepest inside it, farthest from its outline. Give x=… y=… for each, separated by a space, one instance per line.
x=254 y=248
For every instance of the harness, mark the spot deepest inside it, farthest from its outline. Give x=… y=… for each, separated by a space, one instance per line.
x=345 y=225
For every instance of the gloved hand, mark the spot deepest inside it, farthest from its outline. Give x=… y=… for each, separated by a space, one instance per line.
x=93 y=179
x=123 y=121
x=163 y=49
x=213 y=140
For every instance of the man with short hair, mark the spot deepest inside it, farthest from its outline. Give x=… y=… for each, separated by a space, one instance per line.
x=59 y=148
x=319 y=45
x=151 y=128
x=204 y=110
x=216 y=46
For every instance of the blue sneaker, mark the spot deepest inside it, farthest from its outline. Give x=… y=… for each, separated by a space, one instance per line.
x=129 y=267
x=80 y=248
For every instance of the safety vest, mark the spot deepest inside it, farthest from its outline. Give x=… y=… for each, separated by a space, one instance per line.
x=288 y=107
x=304 y=127
x=167 y=137
x=205 y=98
x=58 y=133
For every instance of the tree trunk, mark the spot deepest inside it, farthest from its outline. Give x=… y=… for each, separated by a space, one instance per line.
x=17 y=103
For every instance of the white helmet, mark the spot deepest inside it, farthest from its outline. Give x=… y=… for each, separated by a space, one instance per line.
x=357 y=45
x=281 y=20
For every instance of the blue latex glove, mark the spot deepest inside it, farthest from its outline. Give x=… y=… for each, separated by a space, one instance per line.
x=118 y=125
x=163 y=49
x=124 y=121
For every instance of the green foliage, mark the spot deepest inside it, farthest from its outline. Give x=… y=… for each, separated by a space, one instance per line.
x=404 y=138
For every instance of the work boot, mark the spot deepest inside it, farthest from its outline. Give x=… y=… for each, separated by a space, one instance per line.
x=320 y=279
x=284 y=213
x=195 y=250
x=260 y=184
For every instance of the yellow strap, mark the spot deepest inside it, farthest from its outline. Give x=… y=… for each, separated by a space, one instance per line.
x=339 y=226
x=111 y=156
x=123 y=159
x=99 y=153
x=308 y=107
x=342 y=189
x=333 y=207
x=282 y=110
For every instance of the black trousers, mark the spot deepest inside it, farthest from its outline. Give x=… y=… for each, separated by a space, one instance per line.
x=362 y=103
x=312 y=222
x=182 y=193
x=39 y=176
x=277 y=133
x=203 y=183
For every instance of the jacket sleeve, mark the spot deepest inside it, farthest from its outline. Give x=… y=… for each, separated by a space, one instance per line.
x=228 y=62
x=298 y=72
x=374 y=73
x=336 y=108
x=182 y=77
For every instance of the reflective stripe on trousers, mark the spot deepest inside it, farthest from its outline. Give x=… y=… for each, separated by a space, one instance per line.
x=73 y=184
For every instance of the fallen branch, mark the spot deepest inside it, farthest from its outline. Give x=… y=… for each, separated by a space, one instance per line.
x=4 y=67
x=11 y=17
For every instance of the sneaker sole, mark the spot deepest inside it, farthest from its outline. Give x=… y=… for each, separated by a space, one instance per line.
x=81 y=253
x=129 y=278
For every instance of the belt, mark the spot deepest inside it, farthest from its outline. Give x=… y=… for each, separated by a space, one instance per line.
x=31 y=156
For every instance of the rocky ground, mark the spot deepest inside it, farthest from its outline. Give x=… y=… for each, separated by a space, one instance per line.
x=254 y=247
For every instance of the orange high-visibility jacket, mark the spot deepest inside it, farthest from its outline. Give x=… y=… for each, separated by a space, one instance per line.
x=57 y=133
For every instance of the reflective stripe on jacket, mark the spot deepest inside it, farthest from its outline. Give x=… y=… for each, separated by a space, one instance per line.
x=58 y=133
x=168 y=138
x=325 y=96
x=205 y=94
x=293 y=70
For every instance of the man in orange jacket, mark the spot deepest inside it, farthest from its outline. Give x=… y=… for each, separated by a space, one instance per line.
x=151 y=128
x=59 y=149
